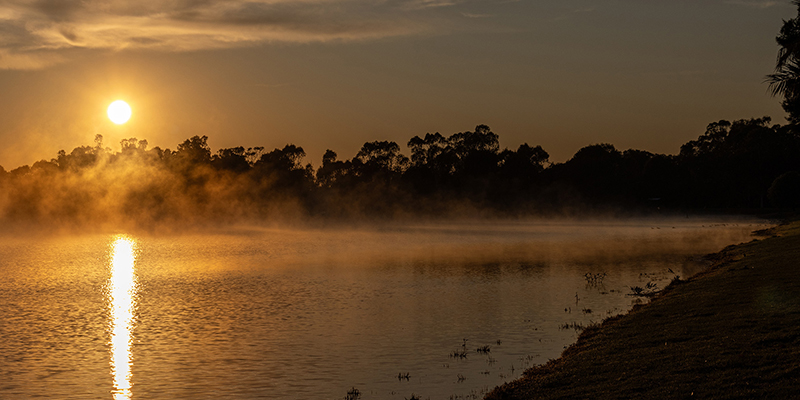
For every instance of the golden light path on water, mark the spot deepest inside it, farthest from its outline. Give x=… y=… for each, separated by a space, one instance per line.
x=121 y=294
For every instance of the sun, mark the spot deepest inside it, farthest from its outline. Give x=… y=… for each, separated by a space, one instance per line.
x=119 y=112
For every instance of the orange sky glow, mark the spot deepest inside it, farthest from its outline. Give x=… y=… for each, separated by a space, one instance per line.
x=334 y=74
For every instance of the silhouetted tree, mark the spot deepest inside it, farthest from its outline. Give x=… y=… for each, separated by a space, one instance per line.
x=80 y=158
x=733 y=164
x=379 y=159
x=194 y=151
x=333 y=171
x=665 y=183
x=737 y=164
x=426 y=151
x=710 y=142
x=45 y=167
x=785 y=81
x=477 y=163
x=133 y=145
x=289 y=158
x=482 y=139
x=594 y=170
x=517 y=180
x=281 y=175
x=433 y=163
x=477 y=151
x=527 y=161
x=374 y=185
x=253 y=154
x=20 y=171
x=785 y=190
x=233 y=159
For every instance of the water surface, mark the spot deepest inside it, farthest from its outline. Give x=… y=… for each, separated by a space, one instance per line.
x=285 y=314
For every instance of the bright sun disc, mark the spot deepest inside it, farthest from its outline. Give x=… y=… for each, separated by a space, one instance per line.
x=119 y=112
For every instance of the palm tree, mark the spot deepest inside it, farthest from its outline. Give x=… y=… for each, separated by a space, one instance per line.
x=785 y=81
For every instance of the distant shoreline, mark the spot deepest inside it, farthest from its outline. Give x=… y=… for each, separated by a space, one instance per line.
x=732 y=331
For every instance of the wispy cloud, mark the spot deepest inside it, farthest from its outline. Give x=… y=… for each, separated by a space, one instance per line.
x=756 y=3
x=471 y=15
x=39 y=33
x=422 y=4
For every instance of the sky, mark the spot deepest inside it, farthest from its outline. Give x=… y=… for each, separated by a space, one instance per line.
x=334 y=74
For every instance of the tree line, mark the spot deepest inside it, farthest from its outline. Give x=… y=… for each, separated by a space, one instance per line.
x=741 y=165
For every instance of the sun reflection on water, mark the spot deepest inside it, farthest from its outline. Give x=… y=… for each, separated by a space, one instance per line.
x=121 y=294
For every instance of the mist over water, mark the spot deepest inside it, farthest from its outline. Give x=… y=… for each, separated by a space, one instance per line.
x=464 y=175
x=253 y=312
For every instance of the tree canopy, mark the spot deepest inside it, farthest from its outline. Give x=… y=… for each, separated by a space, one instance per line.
x=740 y=165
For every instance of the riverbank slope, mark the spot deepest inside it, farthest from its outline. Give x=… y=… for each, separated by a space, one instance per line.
x=731 y=332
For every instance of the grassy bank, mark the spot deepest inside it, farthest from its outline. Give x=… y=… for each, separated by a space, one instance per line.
x=732 y=332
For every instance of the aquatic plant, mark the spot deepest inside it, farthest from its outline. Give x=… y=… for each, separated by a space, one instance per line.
x=353 y=394
x=650 y=289
x=460 y=354
x=574 y=325
x=593 y=279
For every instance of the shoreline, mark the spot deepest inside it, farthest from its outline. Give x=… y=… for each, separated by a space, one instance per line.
x=731 y=331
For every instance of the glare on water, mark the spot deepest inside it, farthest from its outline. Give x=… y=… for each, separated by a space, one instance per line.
x=122 y=302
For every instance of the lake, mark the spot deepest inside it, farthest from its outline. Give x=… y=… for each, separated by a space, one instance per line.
x=441 y=311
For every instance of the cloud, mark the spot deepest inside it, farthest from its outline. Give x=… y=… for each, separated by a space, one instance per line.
x=422 y=4
x=755 y=3
x=28 y=61
x=471 y=15
x=39 y=33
